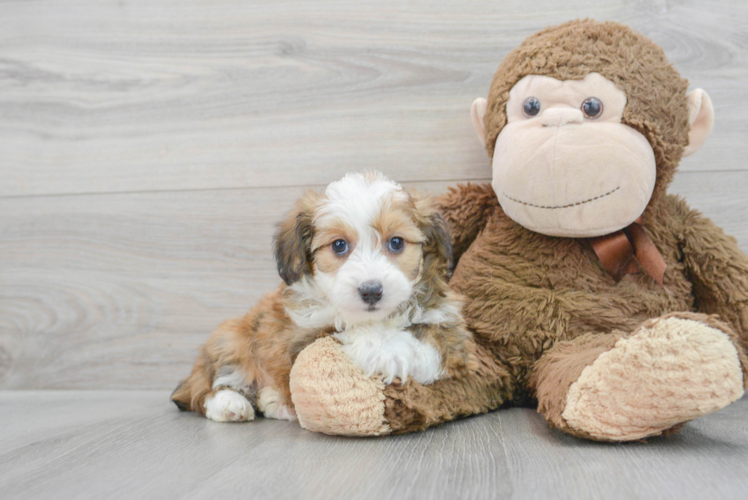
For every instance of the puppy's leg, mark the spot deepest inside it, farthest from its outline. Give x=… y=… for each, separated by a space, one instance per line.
x=272 y=404
x=216 y=388
x=227 y=399
x=226 y=405
x=241 y=356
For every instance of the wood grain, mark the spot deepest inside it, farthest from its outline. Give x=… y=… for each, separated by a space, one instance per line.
x=122 y=96
x=135 y=444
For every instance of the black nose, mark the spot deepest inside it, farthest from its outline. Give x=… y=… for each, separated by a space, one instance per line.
x=371 y=292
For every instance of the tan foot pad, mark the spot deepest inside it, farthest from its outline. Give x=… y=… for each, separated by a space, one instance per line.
x=667 y=373
x=332 y=395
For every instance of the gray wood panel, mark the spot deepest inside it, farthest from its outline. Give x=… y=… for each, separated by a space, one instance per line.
x=122 y=444
x=112 y=96
x=117 y=291
x=147 y=149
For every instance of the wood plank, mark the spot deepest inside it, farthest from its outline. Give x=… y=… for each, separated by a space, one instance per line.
x=135 y=444
x=123 y=96
x=118 y=291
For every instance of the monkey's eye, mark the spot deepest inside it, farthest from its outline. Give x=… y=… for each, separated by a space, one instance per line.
x=340 y=247
x=592 y=108
x=396 y=244
x=531 y=106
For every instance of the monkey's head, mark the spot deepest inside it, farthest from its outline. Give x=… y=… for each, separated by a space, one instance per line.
x=586 y=123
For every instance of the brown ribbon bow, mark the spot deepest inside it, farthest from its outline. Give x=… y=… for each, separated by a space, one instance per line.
x=616 y=252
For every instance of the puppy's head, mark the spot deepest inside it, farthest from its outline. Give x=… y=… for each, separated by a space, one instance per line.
x=367 y=245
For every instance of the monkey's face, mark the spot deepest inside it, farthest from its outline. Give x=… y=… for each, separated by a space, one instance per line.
x=565 y=165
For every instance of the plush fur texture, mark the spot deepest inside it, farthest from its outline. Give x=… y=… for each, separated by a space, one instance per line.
x=337 y=402
x=543 y=310
x=633 y=391
x=413 y=329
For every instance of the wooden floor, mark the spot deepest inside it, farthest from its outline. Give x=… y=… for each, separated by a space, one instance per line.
x=132 y=444
x=148 y=147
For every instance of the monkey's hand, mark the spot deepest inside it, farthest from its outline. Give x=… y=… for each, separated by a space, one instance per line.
x=466 y=209
x=718 y=271
x=333 y=396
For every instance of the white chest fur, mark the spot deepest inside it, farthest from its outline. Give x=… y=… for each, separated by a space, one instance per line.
x=392 y=352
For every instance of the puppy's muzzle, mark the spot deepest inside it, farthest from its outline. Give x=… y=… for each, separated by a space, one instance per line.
x=371 y=292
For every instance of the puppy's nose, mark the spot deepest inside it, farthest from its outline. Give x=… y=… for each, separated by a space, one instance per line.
x=371 y=291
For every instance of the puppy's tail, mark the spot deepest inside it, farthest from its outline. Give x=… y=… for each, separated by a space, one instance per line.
x=181 y=398
x=191 y=392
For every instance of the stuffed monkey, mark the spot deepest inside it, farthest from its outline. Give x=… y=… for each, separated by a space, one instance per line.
x=591 y=292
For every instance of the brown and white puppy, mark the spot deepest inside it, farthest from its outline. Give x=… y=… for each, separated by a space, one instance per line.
x=365 y=261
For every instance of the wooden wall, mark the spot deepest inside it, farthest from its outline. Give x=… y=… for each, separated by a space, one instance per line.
x=148 y=147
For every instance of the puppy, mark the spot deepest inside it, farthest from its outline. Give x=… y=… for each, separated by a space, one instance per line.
x=367 y=262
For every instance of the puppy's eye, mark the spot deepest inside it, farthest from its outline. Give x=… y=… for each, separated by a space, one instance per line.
x=531 y=106
x=592 y=108
x=396 y=244
x=340 y=247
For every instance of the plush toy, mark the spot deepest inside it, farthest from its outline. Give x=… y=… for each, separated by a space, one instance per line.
x=613 y=306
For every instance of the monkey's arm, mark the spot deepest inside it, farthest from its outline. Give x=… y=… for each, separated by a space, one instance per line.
x=718 y=271
x=466 y=208
x=414 y=407
x=333 y=396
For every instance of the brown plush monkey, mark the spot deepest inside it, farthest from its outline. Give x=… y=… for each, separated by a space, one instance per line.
x=618 y=309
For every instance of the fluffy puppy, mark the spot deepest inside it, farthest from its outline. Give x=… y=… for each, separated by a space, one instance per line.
x=365 y=261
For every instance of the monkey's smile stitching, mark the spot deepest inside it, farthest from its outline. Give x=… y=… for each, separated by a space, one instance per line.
x=563 y=206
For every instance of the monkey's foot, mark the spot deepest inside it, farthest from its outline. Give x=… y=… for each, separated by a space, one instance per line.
x=333 y=396
x=670 y=371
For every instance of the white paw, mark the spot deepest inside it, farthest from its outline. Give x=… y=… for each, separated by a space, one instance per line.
x=270 y=403
x=391 y=353
x=228 y=406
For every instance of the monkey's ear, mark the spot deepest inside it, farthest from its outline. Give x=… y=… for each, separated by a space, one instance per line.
x=700 y=118
x=293 y=241
x=477 y=112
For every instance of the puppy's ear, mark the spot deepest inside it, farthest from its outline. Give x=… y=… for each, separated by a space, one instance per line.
x=293 y=240
x=437 y=236
x=437 y=248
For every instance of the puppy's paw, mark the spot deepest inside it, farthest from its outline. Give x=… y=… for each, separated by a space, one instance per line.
x=389 y=364
x=228 y=406
x=391 y=353
x=270 y=403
